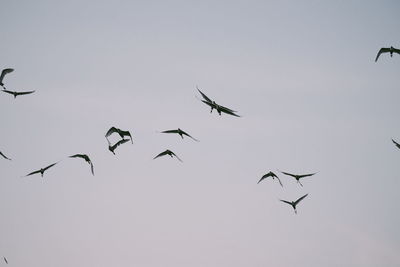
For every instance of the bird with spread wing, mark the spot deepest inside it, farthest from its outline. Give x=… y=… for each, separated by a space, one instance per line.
x=113 y=147
x=390 y=50
x=180 y=132
x=298 y=176
x=121 y=133
x=42 y=170
x=86 y=158
x=168 y=152
x=3 y=73
x=270 y=174
x=15 y=94
x=219 y=108
x=4 y=156
x=294 y=203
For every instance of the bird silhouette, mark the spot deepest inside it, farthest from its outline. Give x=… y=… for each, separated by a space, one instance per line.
x=4 y=156
x=298 y=176
x=271 y=174
x=390 y=50
x=219 y=108
x=15 y=94
x=294 y=203
x=42 y=170
x=5 y=260
x=396 y=144
x=121 y=133
x=168 y=152
x=113 y=147
x=181 y=133
x=3 y=73
x=86 y=158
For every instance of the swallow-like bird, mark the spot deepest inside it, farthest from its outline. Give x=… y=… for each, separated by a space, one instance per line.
x=298 y=176
x=86 y=158
x=120 y=132
x=390 y=50
x=219 y=108
x=181 y=133
x=15 y=94
x=271 y=174
x=4 y=156
x=168 y=152
x=41 y=171
x=294 y=203
x=3 y=73
x=396 y=144
x=113 y=147
x=5 y=260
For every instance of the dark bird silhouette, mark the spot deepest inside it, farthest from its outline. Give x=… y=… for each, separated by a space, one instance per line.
x=4 y=156
x=121 y=133
x=168 y=152
x=86 y=158
x=390 y=50
x=41 y=171
x=294 y=203
x=6 y=261
x=298 y=176
x=3 y=73
x=113 y=147
x=181 y=133
x=219 y=108
x=397 y=144
x=271 y=174
x=15 y=94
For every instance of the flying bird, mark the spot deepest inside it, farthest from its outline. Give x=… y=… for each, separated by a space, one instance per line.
x=6 y=261
x=15 y=94
x=168 y=152
x=120 y=132
x=396 y=144
x=298 y=176
x=390 y=50
x=219 y=108
x=113 y=147
x=294 y=203
x=181 y=133
x=3 y=73
x=86 y=158
x=4 y=156
x=271 y=174
x=41 y=171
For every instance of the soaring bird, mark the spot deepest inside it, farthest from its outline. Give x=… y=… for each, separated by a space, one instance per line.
x=86 y=158
x=168 y=152
x=181 y=133
x=298 y=176
x=4 y=156
x=6 y=261
x=3 y=73
x=397 y=144
x=206 y=100
x=270 y=174
x=41 y=171
x=120 y=132
x=390 y=50
x=113 y=147
x=15 y=94
x=294 y=203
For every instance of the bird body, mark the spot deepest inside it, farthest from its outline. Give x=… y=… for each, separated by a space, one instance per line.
x=42 y=170
x=270 y=174
x=86 y=158
x=4 y=156
x=3 y=73
x=121 y=133
x=168 y=152
x=298 y=176
x=180 y=132
x=15 y=94
x=390 y=50
x=294 y=203
x=113 y=147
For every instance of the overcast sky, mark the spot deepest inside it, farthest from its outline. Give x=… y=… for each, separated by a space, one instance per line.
x=300 y=73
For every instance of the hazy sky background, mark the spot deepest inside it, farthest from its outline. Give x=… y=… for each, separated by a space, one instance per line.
x=302 y=75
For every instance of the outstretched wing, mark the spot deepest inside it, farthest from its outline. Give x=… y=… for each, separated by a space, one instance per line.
x=264 y=176
x=290 y=203
x=397 y=144
x=4 y=156
x=3 y=73
x=25 y=93
x=176 y=156
x=382 y=50
x=111 y=131
x=38 y=171
x=9 y=92
x=188 y=135
x=305 y=175
x=279 y=180
x=206 y=98
x=227 y=111
x=91 y=167
x=170 y=131
x=161 y=154
x=395 y=50
x=48 y=167
x=6 y=261
x=300 y=199
x=120 y=142
x=289 y=174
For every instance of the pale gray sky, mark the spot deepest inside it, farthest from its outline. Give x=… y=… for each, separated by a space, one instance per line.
x=302 y=75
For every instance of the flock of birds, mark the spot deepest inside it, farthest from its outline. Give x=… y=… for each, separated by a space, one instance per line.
x=126 y=136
